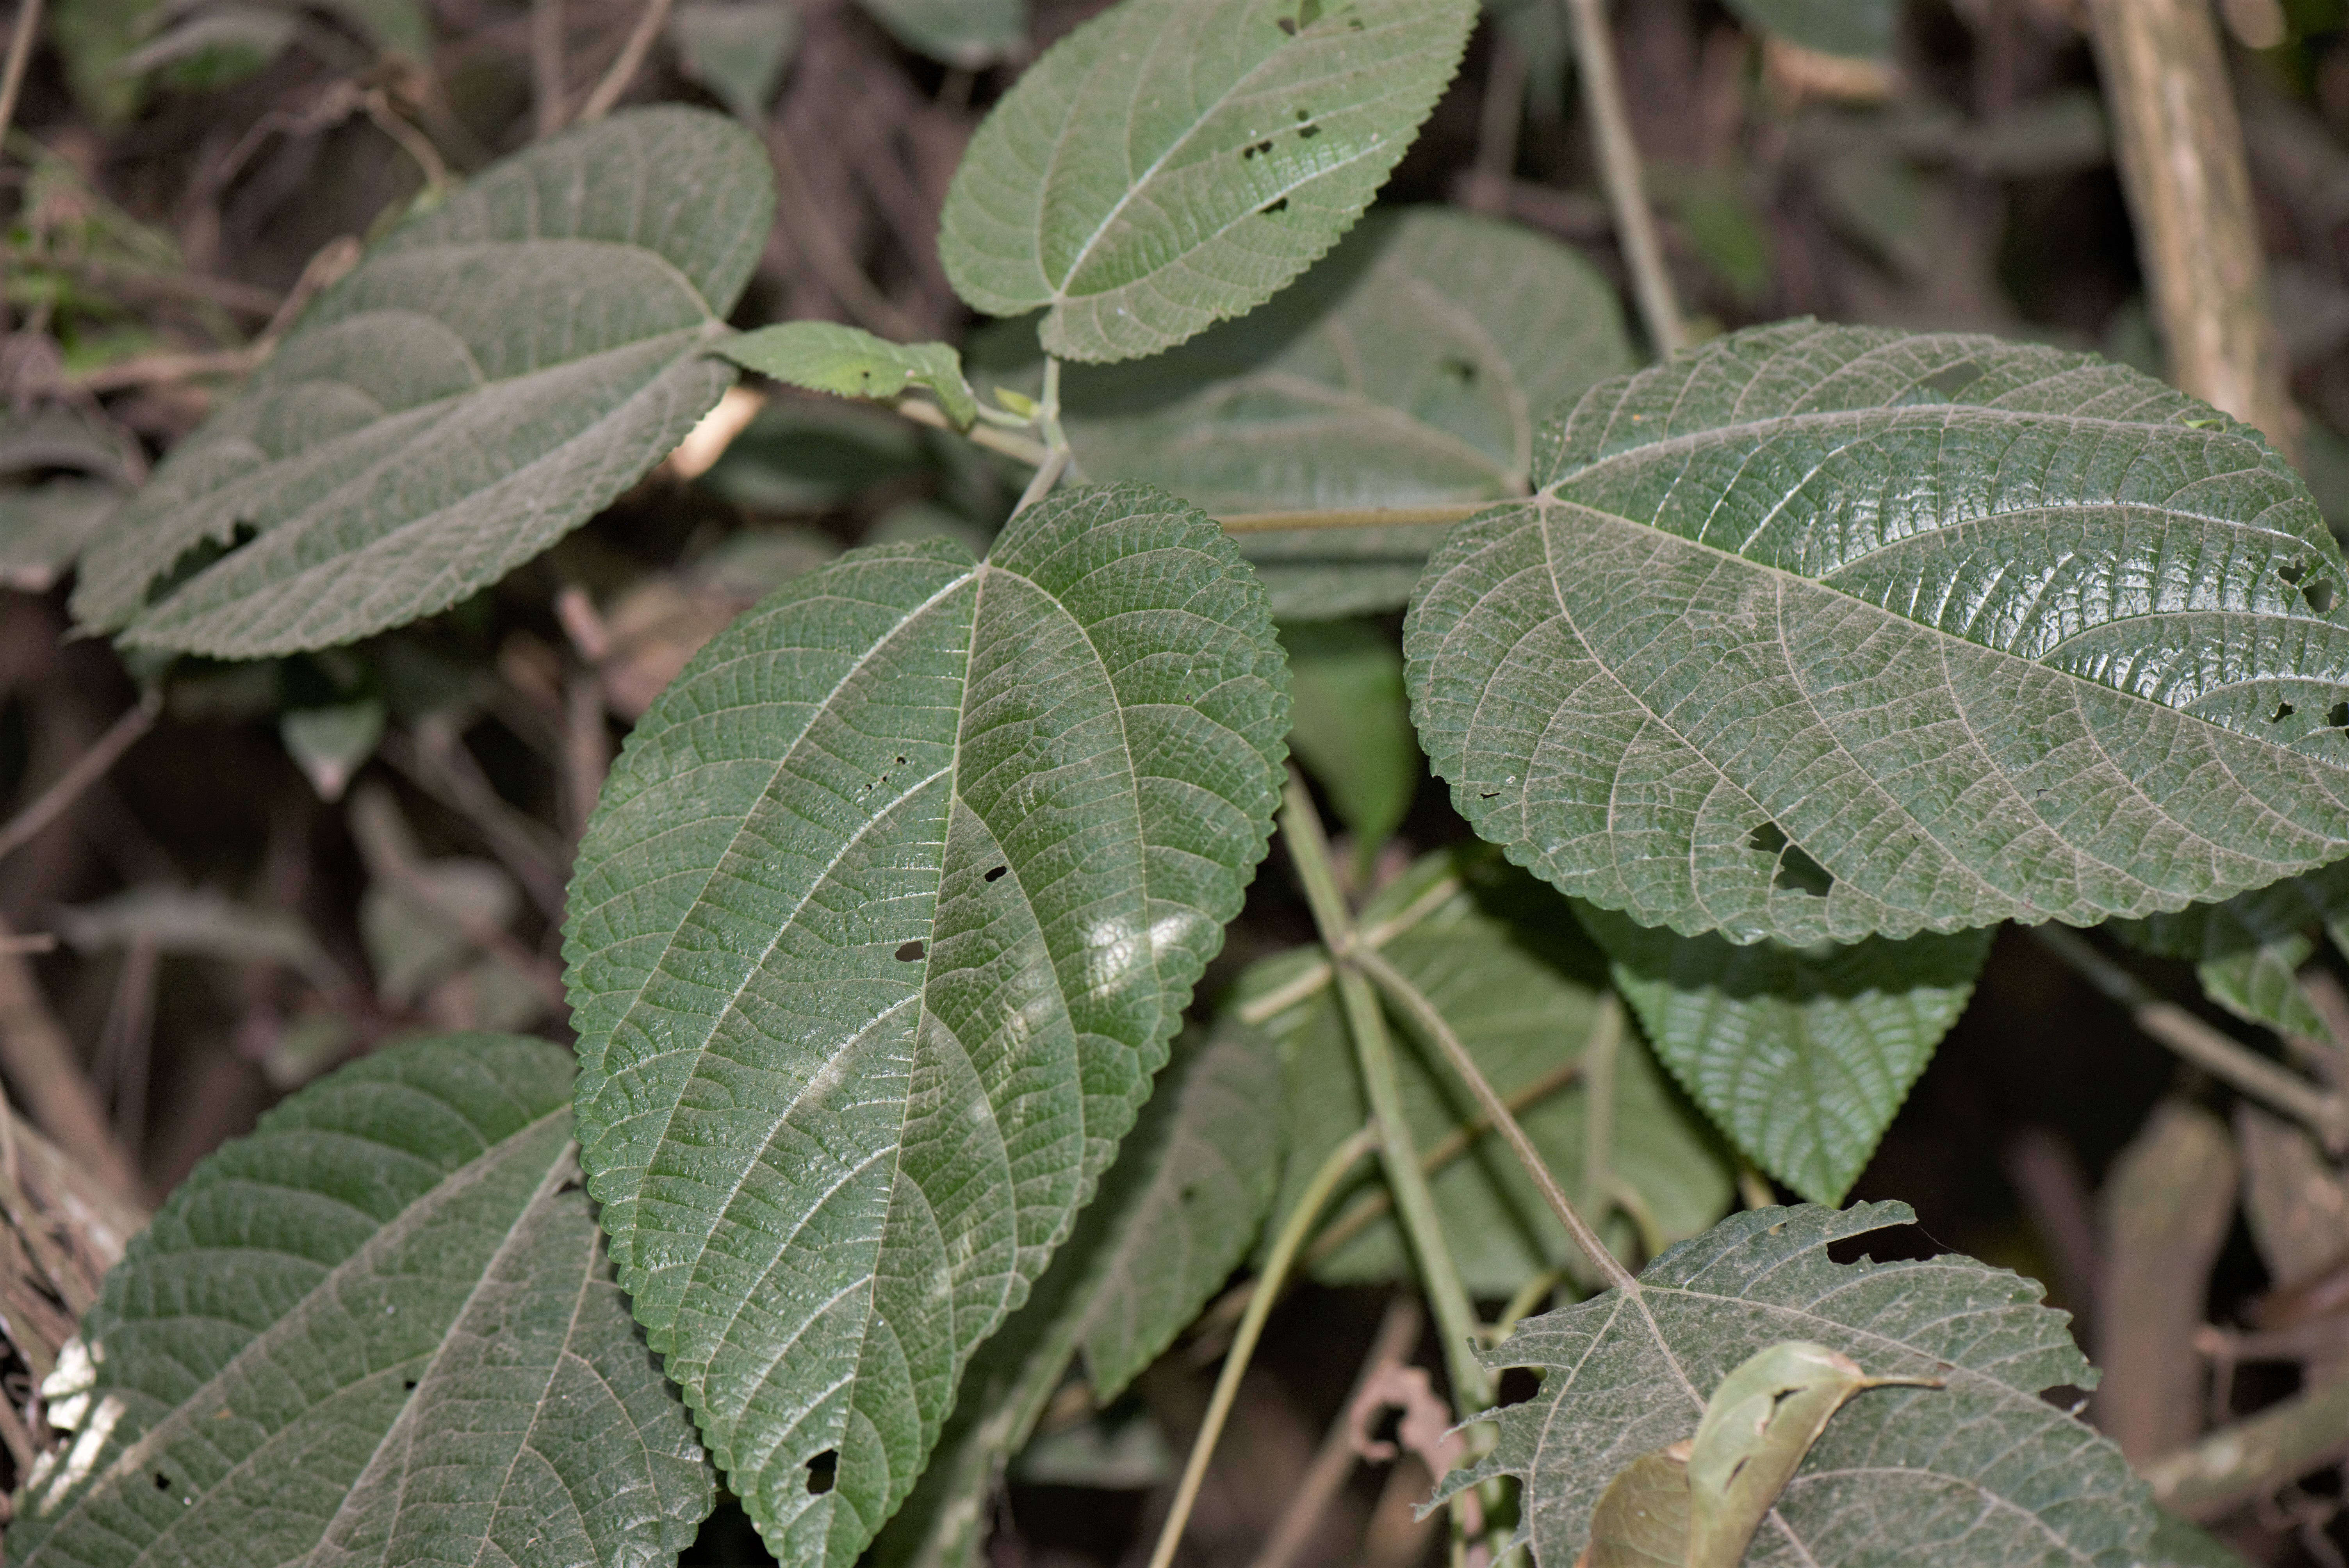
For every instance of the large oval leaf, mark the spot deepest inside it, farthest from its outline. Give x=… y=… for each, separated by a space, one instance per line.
x=379 y=1330
x=1822 y=632
x=1173 y=162
x=493 y=374
x=1979 y=1473
x=1801 y=1055
x=1504 y=965
x=887 y=914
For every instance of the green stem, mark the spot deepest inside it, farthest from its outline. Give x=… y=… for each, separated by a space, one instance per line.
x=1455 y=1317
x=1292 y=1235
x=1356 y=517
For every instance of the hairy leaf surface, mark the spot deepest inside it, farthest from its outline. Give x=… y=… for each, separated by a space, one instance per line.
x=380 y=1330
x=1824 y=632
x=1174 y=1217
x=492 y=374
x=1801 y=1055
x=887 y=914
x=1980 y=1471
x=1171 y=163
x=1502 y=960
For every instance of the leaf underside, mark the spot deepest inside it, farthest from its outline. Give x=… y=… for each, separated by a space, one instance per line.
x=881 y=928
x=1174 y=1216
x=1817 y=631
x=492 y=374
x=1981 y=1471
x=1801 y=1055
x=1503 y=964
x=380 y=1330
x=1171 y=164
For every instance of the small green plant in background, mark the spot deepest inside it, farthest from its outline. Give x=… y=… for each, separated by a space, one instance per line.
x=1774 y=675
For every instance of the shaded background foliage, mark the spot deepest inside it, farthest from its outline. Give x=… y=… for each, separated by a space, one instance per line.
x=383 y=830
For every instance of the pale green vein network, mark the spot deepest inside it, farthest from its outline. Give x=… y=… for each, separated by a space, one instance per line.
x=1761 y=657
x=885 y=920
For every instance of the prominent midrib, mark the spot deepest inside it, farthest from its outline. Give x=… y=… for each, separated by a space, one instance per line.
x=261 y=1345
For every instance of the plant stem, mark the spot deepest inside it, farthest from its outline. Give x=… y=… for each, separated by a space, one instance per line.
x=2218 y=1054
x=1316 y=979
x=546 y=64
x=1413 y=1001
x=2237 y=1463
x=623 y=69
x=1227 y=1382
x=1334 y=1460
x=1618 y=171
x=1018 y=448
x=20 y=55
x=86 y=770
x=1356 y=517
x=1455 y=1317
x=1056 y=463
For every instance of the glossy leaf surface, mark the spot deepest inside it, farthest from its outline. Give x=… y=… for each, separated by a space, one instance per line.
x=1170 y=164
x=494 y=372
x=380 y=1330
x=1980 y=1471
x=1801 y=1055
x=878 y=935
x=1819 y=631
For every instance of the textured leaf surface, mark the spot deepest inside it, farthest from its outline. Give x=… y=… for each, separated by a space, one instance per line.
x=1174 y=1217
x=492 y=374
x=1801 y=1055
x=380 y=1330
x=849 y=361
x=1171 y=163
x=1981 y=1471
x=1863 y=29
x=888 y=911
x=1824 y=632
x=1502 y=960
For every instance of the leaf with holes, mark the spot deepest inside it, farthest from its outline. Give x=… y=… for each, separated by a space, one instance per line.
x=1173 y=163
x=494 y=373
x=1801 y=1055
x=1174 y=1216
x=1979 y=1473
x=1824 y=632
x=849 y=361
x=380 y=1330
x=1502 y=961
x=881 y=925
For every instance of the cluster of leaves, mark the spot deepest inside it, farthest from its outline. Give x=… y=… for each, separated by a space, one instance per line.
x=1780 y=673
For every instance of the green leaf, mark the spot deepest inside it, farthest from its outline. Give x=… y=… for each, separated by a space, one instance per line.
x=1820 y=632
x=1312 y=573
x=1174 y=1216
x=1503 y=962
x=965 y=33
x=1353 y=730
x=1982 y=1471
x=737 y=49
x=1413 y=364
x=330 y=744
x=1859 y=28
x=849 y=361
x=380 y=1329
x=494 y=373
x=888 y=911
x=2249 y=950
x=1171 y=163
x=43 y=529
x=1801 y=1055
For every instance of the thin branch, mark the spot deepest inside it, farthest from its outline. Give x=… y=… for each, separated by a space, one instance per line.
x=2221 y=1056
x=1018 y=448
x=1618 y=171
x=1055 y=464
x=41 y=1062
x=546 y=64
x=330 y=265
x=86 y=770
x=804 y=221
x=20 y=55
x=2237 y=1463
x=623 y=69
x=1334 y=1460
x=1413 y=1001
x=1313 y=980
x=1293 y=1230
x=1356 y=517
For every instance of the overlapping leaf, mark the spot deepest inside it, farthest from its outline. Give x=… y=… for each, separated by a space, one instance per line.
x=1502 y=960
x=1353 y=726
x=1800 y=1055
x=1981 y=1471
x=1174 y=1216
x=380 y=1330
x=492 y=374
x=2249 y=950
x=1825 y=632
x=879 y=932
x=1171 y=164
